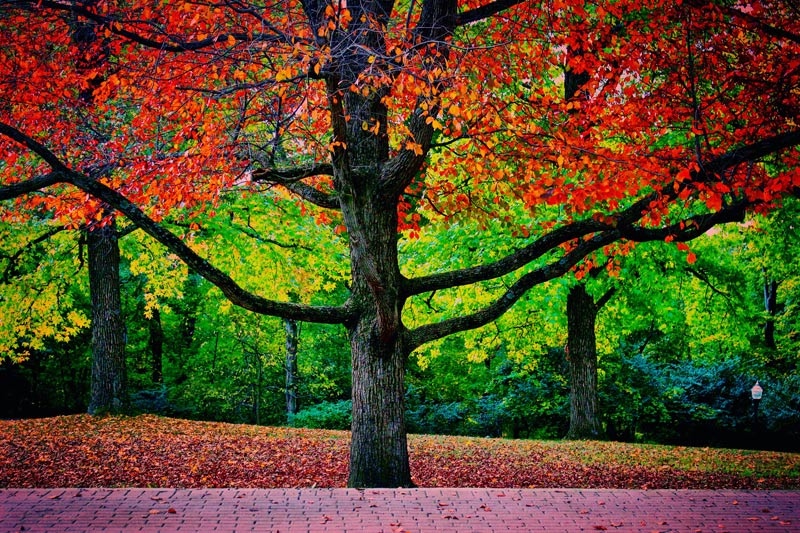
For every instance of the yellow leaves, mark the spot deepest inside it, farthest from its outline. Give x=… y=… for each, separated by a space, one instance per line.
x=285 y=73
x=329 y=286
x=476 y=356
x=78 y=320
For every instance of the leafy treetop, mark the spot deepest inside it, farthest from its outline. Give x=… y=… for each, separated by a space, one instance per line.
x=679 y=115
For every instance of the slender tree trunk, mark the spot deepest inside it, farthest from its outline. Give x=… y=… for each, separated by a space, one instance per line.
x=109 y=377
x=771 y=307
x=582 y=355
x=257 y=391
x=156 y=345
x=291 y=366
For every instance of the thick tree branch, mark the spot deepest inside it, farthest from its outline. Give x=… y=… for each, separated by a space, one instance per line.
x=624 y=221
x=34 y=146
x=604 y=299
x=38 y=183
x=315 y=196
x=291 y=175
x=748 y=153
x=687 y=230
x=485 y=11
x=290 y=178
x=761 y=25
x=435 y=28
x=235 y=293
x=424 y=334
x=506 y=265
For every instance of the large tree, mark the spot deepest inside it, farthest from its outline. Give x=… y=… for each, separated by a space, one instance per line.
x=380 y=114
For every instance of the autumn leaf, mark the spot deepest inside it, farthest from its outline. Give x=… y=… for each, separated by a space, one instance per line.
x=82 y=450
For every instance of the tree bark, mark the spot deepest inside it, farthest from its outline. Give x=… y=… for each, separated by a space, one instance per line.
x=378 y=448
x=156 y=345
x=771 y=307
x=291 y=366
x=109 y=376
x=582 y=357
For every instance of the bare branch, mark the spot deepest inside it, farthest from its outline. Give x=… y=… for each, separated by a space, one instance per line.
x=506 y=265
x=291 y=179
x=315 y=196
x=293 y=174
x=12 y=269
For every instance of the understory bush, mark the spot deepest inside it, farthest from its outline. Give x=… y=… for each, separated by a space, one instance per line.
x=325 y=415
x=697 y=403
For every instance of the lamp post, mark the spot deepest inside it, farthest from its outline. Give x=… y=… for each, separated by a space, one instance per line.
x=756 y=393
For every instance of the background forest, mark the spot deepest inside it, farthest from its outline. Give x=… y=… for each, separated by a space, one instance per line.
x=681 y=338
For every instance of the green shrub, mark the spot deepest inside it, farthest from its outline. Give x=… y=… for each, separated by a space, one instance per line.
x=325 y=415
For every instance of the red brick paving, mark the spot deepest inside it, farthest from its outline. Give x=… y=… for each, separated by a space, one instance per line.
x=395 y=511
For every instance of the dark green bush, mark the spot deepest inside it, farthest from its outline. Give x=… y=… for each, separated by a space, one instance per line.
x=325 y=415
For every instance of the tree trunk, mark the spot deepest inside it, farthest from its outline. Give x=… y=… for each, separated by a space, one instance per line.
x=771 y=307
x=109 y=379
x=156 y=345
x=582 y=356
x=291 y=367
x=257 y=388
x=378 y=449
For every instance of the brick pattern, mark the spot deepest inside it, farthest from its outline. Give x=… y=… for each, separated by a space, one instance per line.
x=395 y=511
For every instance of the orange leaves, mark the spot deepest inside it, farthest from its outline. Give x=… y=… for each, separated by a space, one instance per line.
x=152 y=451
x=203 y=90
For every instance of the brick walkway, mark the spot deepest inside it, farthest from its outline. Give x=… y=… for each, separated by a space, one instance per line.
x=395 y=511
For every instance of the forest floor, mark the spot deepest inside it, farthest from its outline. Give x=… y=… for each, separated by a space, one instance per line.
x=151 y=451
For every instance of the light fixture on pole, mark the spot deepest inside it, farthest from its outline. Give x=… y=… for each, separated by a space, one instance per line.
x=756 y=393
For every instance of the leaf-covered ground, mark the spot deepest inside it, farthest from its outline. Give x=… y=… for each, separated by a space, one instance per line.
x=150 y=451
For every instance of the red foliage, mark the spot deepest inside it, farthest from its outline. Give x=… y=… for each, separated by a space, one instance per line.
x=149 y=451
